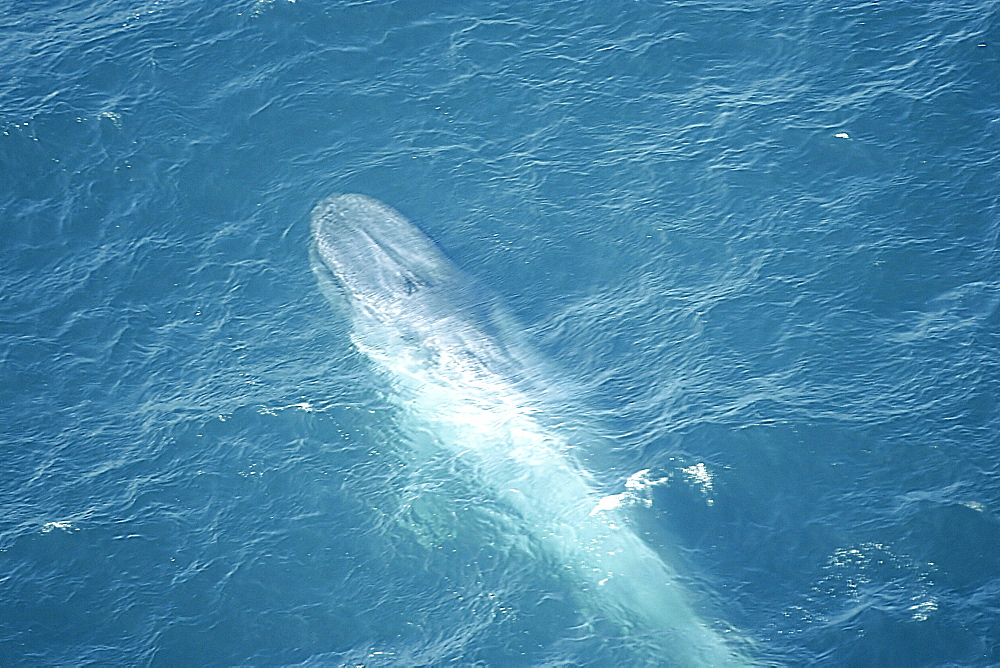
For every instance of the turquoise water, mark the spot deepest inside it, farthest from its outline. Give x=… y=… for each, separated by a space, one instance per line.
x=752 y=248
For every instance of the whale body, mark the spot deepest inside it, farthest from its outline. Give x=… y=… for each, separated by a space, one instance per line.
x=419 y=317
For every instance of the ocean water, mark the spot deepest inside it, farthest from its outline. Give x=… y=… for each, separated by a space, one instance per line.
x=753 y=250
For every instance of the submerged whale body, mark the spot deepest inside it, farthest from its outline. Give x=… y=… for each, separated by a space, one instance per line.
x=418 y=316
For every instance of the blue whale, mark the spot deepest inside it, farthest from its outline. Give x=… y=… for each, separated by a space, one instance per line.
x=419 y=317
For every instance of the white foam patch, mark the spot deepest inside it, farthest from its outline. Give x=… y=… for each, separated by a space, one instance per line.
x=637 y=492
x=698 y=476
x=62 y=525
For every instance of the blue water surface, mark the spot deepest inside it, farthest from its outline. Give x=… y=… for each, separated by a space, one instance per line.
x=754 y=247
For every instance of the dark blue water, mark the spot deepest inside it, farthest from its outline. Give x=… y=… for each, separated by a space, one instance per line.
x=754 y=247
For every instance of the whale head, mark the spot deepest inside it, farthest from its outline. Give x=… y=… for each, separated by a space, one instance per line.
x=383 y=263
